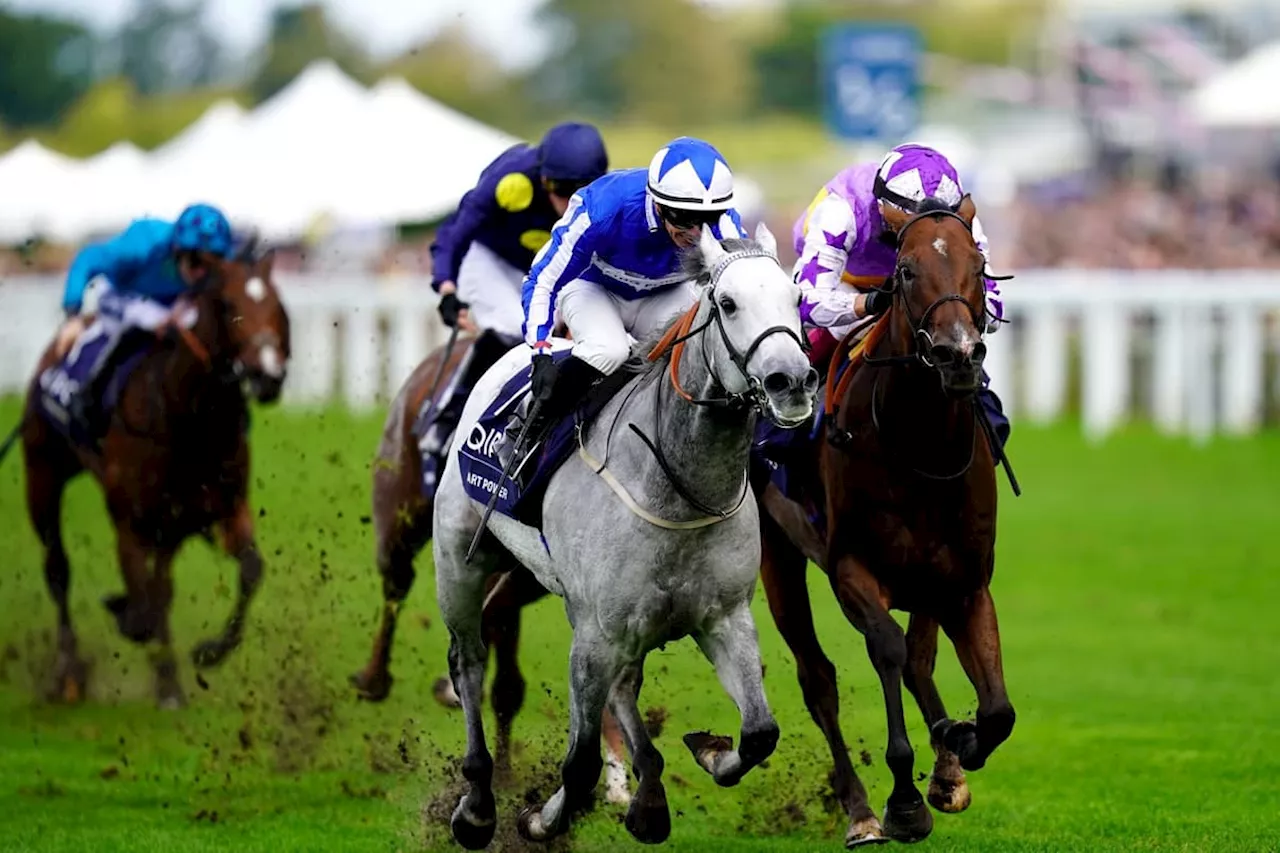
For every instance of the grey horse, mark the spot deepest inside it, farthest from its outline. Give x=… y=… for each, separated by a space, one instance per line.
x=650 y=535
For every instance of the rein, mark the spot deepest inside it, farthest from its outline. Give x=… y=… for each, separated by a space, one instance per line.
x=673 y=342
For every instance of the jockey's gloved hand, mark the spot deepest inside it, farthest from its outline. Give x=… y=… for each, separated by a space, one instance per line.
x=545 y=372
x=877 y=302
x=450 y=307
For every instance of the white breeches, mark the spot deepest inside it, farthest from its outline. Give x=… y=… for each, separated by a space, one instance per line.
x=491 y=286
x=600 y=322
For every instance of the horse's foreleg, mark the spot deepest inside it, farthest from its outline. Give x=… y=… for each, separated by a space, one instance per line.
x=733 y=649
x=907 y=818
x=616 y=789
x=977 y=639
x=648 y=818
x=782 y=569
x=45 y=486
x=403 y=527
x=134 y=611
x=168 y=689
x=513 y=591
x=592 y=670
x=948 y=791
x=460 y=594
x=238 y=542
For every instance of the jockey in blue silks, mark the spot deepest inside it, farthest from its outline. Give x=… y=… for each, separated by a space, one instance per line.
x=146 y=268
x=612 y=268
x=483 y=251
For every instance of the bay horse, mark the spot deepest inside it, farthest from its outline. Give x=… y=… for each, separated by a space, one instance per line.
x=402 y=523
x=173 y=463
x=906 y=473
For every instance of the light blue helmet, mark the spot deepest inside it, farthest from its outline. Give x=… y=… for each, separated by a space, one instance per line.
x=202 y=228
x=689 y=174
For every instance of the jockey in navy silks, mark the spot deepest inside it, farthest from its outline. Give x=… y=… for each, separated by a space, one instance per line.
x=612 y=268
x=842 y=239
x=146 y=268
x=482 y=252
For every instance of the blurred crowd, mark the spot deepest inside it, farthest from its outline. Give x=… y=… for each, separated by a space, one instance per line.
x=1216 y=222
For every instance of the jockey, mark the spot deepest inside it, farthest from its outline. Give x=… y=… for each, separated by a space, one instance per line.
x=482 y=252
x=612 y=267
x=842 y=241
x=147 y=268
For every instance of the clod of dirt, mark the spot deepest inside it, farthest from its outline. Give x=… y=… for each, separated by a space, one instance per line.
x=654 y=719
x=109 y=772
x=865 y=758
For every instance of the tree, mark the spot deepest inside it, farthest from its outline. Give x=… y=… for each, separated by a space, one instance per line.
x=665 y=61
x=299 y=36
x=168 y=48
x=454 y=70
x=102 y=117
x=46 y=63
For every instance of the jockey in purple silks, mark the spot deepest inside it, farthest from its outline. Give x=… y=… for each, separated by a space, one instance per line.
x=843 y=243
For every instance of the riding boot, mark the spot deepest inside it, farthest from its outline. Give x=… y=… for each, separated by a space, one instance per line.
x=574 y=380
x=87 y=405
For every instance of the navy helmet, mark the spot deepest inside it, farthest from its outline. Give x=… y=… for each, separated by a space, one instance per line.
x=203 y=228
x=572 y=155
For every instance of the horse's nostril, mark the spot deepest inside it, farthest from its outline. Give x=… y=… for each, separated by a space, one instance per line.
x=979 y=353
x=811 y=380
x=777 y=383
x=943 y=354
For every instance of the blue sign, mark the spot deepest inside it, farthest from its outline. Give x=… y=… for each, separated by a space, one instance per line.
x=871 y=80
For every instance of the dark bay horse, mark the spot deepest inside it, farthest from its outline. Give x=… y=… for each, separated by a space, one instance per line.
x=402 y=516
x=174 y=462
x=906 y=473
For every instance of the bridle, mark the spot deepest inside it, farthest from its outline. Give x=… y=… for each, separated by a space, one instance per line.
x=754 y=395
x=752 y=398
x=922 y=341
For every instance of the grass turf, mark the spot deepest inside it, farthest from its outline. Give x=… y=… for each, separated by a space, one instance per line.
x=1138 y=599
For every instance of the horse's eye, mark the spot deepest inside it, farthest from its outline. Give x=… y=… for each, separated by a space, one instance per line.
x=727 y=305
x=906 y=275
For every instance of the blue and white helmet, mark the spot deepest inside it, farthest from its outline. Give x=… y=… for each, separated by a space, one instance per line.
x=689 y=174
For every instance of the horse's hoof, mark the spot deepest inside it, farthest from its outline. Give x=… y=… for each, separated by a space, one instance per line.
x=171 y=702
x=208 y=653
x=649 y=818
x=68 y=683
x=132 y=624
x=961 y=738
x=445 y=694
x=472 y=836
x=949 y=796
x=706 y=747
x=865 y=832
x=372 y=689
x=908 y=823
x=530 y=825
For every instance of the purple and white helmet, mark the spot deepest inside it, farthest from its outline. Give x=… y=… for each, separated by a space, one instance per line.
x=910 y=173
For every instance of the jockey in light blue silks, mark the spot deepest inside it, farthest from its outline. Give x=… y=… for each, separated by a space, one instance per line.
x=842 y=237
x=612 y=268
x=483 y=251
x=147 y=267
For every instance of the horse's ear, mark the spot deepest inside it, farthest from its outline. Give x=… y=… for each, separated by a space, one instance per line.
x=967 y=209
x=766 y=239
x=266 y=262
x=246 y=253
x=711 y=249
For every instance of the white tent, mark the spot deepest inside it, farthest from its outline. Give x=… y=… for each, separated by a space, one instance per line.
x=107 y=186
x=414 y=159
x=36 y=186
x=1246 y=94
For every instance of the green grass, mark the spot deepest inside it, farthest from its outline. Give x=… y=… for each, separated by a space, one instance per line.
x=1137 y=589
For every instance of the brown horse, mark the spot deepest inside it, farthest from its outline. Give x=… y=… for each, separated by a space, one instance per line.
x=905 y=471
x=174 y=462
x=402 y=520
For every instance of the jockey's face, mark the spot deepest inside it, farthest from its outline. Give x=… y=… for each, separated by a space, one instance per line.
x=685 y=226
x=559 y=192
x=193 y=267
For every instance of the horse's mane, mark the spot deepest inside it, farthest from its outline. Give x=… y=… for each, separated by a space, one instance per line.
x=694 y=265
